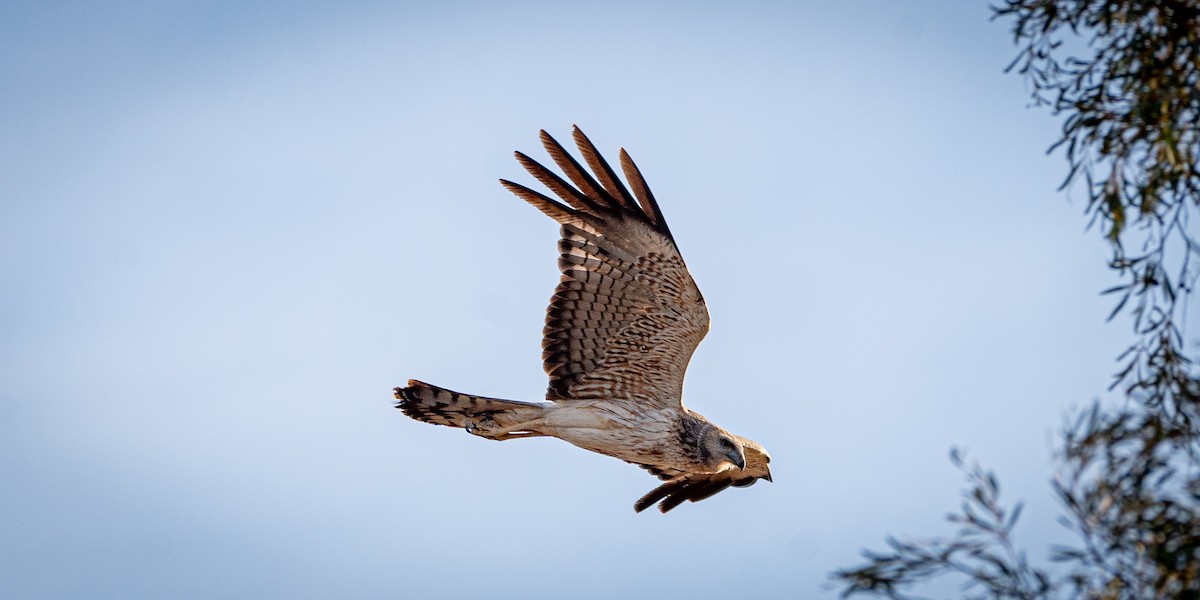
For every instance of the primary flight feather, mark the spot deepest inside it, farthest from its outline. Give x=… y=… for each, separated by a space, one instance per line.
x=620 y=330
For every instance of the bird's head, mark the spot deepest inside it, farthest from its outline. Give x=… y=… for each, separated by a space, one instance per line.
x=724 y=450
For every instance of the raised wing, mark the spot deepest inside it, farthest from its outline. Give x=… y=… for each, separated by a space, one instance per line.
x=695 y=487
x=626 y=315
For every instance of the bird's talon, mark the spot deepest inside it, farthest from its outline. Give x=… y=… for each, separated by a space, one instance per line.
x=480 y=426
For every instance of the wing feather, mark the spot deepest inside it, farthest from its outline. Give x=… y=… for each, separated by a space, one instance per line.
x=604 y=172
x=642 y=191
x=557 y=185
x=576 y=173
x=626 y=315
x=554 y=209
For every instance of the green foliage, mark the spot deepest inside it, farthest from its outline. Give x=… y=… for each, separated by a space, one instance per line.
x=1131 y=131
x=1132 y=494
x=1129 y=479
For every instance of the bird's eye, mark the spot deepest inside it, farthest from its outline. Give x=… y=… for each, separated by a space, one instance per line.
x=725 y=443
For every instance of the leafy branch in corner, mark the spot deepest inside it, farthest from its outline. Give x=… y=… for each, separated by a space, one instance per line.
x=1131 y=132
x=1129 y=477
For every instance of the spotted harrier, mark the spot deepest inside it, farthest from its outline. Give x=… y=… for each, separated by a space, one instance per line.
x=620 y=330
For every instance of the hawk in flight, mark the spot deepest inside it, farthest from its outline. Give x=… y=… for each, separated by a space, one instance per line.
x=620 y=330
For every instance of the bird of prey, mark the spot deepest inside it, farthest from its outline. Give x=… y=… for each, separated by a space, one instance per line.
x=620 y=330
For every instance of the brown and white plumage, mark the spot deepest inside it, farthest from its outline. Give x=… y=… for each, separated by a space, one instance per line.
x=621 y=327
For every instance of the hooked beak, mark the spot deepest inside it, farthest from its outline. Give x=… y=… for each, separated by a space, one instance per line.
x=736 y=458
x=768 y=475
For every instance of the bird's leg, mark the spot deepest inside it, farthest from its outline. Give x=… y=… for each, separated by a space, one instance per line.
x=487 y=427
x=518 y=435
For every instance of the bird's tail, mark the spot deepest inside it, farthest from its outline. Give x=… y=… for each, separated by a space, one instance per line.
x=440 y=406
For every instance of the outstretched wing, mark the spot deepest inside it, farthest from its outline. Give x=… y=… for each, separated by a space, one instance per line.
x=626 y=315
x=695 y=487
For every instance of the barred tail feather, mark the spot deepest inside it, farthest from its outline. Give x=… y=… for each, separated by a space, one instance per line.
x=440 y=406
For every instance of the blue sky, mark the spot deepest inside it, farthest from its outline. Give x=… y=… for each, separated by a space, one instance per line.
x=228 y=230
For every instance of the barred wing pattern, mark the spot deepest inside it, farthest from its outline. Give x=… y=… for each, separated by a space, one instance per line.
x=626 y=315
